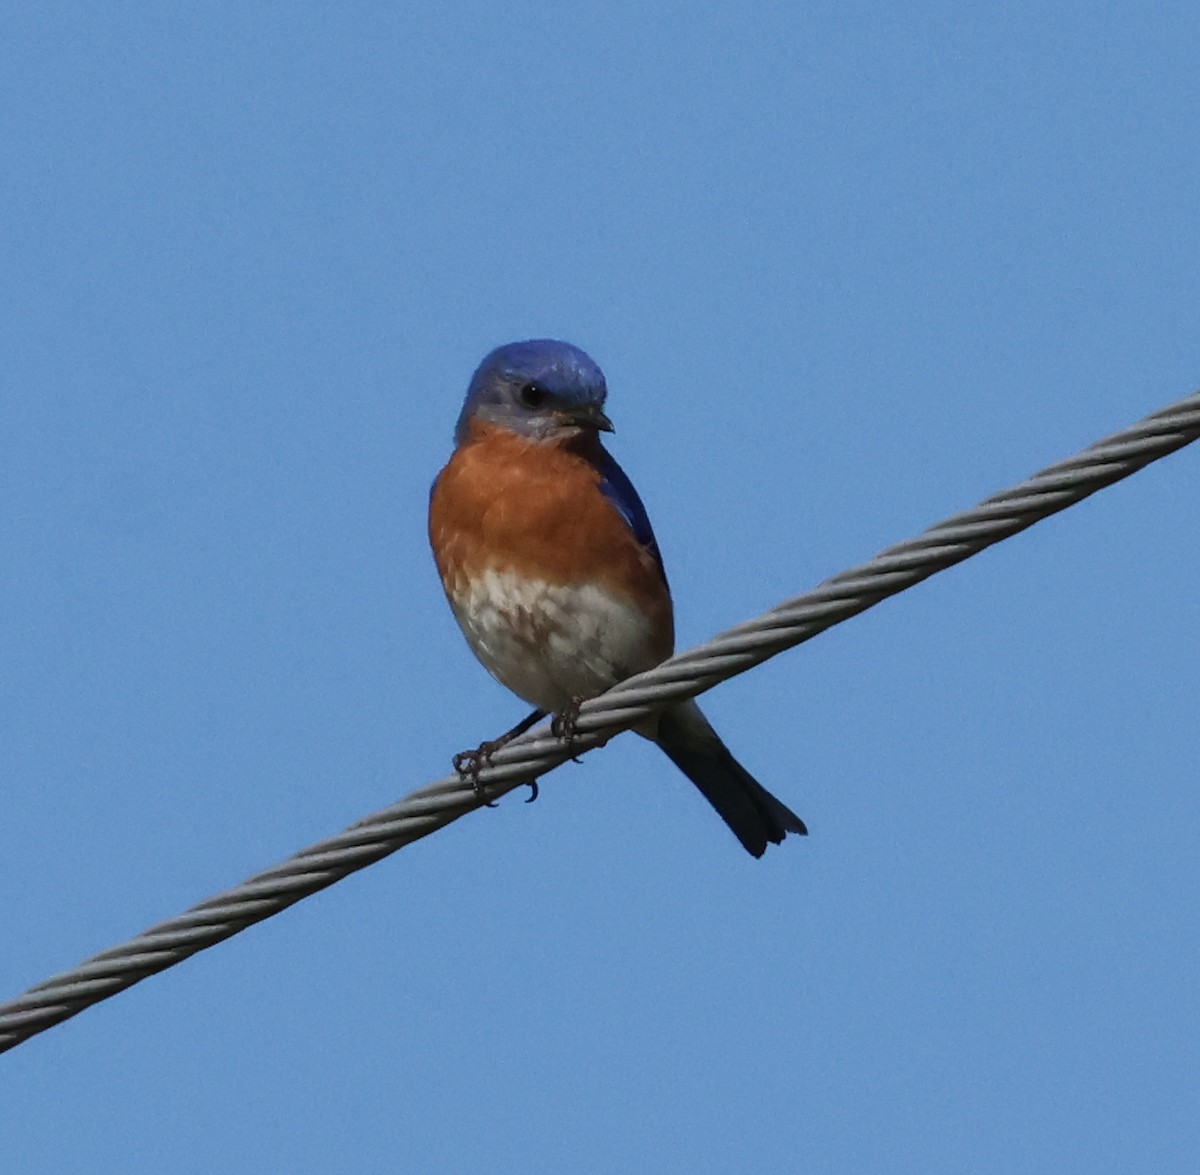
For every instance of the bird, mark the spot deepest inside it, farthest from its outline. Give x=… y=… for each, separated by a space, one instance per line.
x=552 y=570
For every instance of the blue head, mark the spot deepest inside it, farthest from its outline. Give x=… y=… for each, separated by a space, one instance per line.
x=542 y=388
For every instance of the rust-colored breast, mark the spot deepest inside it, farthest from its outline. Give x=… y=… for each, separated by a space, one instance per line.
x=506 y=503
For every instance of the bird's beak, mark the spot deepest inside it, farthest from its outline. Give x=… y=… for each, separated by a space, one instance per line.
x=583 y=417
x=593 y=417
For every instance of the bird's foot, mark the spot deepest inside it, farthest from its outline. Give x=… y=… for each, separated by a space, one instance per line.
x=563 y=724
x=469 y=764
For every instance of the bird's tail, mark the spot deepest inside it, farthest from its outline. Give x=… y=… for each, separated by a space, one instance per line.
x=754 y=815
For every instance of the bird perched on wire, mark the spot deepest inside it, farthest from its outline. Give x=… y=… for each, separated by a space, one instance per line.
x=553 y=573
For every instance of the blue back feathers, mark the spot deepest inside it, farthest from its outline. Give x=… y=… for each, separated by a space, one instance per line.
x=618 y=489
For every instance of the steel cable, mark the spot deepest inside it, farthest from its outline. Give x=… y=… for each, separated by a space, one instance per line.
x=684 y=675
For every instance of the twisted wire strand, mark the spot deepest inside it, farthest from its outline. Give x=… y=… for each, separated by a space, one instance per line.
x=682 y=676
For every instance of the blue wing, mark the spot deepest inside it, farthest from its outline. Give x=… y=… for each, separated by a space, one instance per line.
x=618 y=489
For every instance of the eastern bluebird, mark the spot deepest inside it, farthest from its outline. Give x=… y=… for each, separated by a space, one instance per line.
x=552 y=571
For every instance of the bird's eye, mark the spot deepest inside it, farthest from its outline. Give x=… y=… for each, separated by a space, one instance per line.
x=533 y=396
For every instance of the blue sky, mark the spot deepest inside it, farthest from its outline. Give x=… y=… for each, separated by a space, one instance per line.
x=848 y=268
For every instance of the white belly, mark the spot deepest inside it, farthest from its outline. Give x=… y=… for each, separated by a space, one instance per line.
x=549 y=643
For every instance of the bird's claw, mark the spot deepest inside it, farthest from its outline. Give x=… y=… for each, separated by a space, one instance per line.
x=469 y=764
x=563 y=724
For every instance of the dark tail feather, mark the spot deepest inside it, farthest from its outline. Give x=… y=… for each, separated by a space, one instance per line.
x=755 y=816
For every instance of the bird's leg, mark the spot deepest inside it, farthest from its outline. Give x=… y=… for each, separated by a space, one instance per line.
x=469 y=764
x=563 y=724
